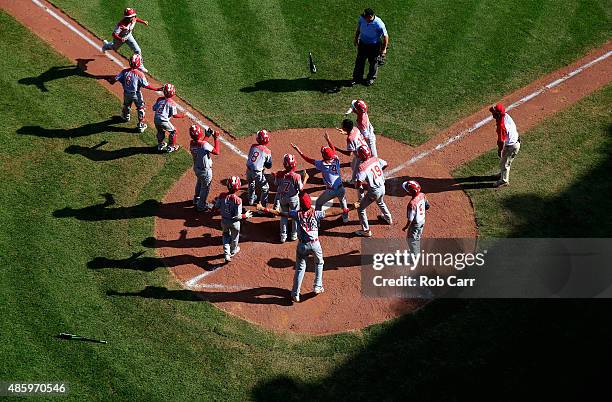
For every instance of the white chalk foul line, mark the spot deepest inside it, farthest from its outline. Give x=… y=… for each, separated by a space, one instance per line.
x=482 y=122
x=118 y=62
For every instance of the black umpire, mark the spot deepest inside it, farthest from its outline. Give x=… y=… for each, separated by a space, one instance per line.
x=371 y=39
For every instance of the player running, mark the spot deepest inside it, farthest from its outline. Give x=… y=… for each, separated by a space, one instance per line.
x=201 y=151
x=329 y=166
x=165 y=109
x=372 y=178
x=123 y=34
x=132 y=81
x=360 y=108
x=309 y=222
x=230 y=206
x=416 y=215
x=259 y=159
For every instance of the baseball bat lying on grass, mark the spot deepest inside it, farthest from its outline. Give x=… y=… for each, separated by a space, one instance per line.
x=73 y=337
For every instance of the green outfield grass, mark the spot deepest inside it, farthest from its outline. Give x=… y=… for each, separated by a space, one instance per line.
x=244 y=63
x=560 y=181
x=62 y=152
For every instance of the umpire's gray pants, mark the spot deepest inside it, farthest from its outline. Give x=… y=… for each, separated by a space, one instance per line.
x=231 y=235
x=257 y=180
x=373 y=195
x=302 y=252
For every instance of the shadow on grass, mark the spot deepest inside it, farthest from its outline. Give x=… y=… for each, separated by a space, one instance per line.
x=262 y=295
x=545 y=350
x=107 y=125
x=440 y=185
x=297 y=85
x=101 y=155
x=59 y=72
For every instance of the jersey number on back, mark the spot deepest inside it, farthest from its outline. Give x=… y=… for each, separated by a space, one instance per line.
x=254 y=156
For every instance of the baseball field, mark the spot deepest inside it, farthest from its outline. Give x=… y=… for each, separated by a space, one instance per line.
x=98 y=236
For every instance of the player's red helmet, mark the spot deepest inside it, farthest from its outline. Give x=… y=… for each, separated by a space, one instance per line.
x=498 y=110
x=411 y=187
x=359 y=106
x=364 y=153
x=289 y=162
x=305 y=201
x=136 y=60
x=263 y=137
x=195 y=132
x=234 y=184
x=129 y=13
x=327 y=153
x=169 y=90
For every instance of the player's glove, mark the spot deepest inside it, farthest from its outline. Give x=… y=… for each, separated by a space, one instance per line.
x=208 y=132
x=248 y=214
x=381 y=59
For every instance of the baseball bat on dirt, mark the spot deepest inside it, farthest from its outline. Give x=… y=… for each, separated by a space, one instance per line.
x=73 y=337
x=313 y=68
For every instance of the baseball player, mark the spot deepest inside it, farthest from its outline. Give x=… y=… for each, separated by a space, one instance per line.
x=202 y=163
x=132 y=81
x=416 y=215
x=354 y=140
x=259 y=159
x=123 y=34
x=360 y=108
x=230 y=206
x=289 y=185
x=508 y=142
x=165 y=109
x=372 y=178
x=309 y=221
x=329 y=166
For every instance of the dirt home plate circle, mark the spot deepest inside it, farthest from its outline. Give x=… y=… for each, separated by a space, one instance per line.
x=256 y=284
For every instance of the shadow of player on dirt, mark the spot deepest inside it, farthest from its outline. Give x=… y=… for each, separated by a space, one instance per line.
x=59 y=72
x=148 y=264
x=349 y=259
x=107 y=125
x=431 y=185
x=297 y=85
x=101 y=155
x=262 y=295
x=182 y=242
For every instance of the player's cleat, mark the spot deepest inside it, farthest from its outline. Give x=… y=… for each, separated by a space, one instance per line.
x=501 y=183
x=236 y=251
x=293 y=237
x=195 y=200
x=142 y=127
x=125 y=117
x=105 y=46
x=319 y=289
x=363 y=233
x=161 y=147
x=383 y=218
x=172 y=148
x=283 y=239
x=295 y=298
x=369 y=83
x=228 y=258
x=345 y=219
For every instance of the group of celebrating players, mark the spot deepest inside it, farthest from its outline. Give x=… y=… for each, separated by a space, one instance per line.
x=291 y=202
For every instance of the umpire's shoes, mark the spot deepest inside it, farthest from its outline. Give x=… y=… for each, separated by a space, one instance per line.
x=369 y=83
x=352 y=83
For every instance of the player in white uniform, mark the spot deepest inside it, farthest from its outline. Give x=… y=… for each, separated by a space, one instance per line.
x=508 y=142
x=165 y=109
x=132 y=81
x=309 y=222
x=259 y=159
x=123 y=34
x=416 y=215
x=289 y=186
x=201 y=150
x=360 y=108
x=329 y=167
x=230 y=206
x=371 y=177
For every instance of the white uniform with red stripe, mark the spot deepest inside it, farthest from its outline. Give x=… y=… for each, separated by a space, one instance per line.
x=367 y=131
x=164 y=109
x=230 y=206
x=308 y=235
x=132 y=81
x=123 y=30
x=289 y=184
x=353 y=141
x=415 y=212
x=371 y=174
